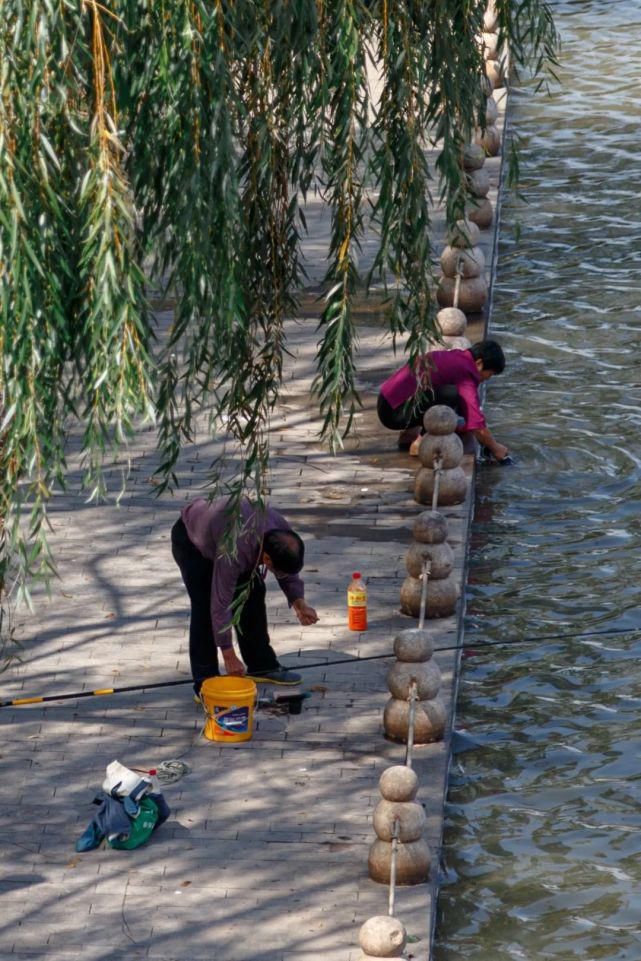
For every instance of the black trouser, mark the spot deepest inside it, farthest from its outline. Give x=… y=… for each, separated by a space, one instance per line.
x=410 y=414
x=251 y=629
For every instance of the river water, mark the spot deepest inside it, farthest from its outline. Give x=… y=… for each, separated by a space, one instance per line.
x=542 y=855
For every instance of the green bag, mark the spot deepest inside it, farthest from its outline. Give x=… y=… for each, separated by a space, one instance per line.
x=141 y=827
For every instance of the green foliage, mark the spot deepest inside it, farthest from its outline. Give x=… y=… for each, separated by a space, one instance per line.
x=185 y=135
x=73 y=323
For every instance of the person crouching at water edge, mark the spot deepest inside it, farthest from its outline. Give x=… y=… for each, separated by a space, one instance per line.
x=450 y=377
x=219 y=577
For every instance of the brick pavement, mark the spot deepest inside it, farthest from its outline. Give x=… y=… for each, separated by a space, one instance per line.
x=264 y=857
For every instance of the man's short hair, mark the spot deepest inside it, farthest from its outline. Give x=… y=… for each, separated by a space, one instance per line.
x=491 y=353
x=285 y=549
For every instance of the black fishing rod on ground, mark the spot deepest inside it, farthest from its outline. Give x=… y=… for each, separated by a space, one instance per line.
x=478 y=645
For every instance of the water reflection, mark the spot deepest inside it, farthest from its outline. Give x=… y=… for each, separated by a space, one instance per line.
x=543 y=831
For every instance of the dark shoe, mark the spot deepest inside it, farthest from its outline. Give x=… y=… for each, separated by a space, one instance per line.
x=279 y=676
x=407 y=437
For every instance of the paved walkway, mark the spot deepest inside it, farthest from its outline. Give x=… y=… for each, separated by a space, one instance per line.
x=264 y=857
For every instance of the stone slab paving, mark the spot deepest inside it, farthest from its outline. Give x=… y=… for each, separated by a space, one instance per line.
x=264 y=857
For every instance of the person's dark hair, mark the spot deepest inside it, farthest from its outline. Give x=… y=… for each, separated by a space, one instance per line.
x=286 y=550
x=491 y=353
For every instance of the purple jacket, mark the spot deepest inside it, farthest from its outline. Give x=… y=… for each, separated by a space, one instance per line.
x=206 y=525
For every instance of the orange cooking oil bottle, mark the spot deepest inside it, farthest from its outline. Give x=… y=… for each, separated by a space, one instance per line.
x=357 y=604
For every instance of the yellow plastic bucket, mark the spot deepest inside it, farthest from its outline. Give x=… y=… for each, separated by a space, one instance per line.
x=229 y=704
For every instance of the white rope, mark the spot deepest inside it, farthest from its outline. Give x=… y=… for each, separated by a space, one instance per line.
x=392 y=875
x=168 y=772
x=424 y=578
x=412 y=697
x=459 y=274
x=438 y=467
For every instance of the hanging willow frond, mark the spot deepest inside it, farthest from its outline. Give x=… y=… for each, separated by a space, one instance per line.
x=344 y=96
x=527 y=30
x=73 y=320
x=183 y=135
x=400 y=169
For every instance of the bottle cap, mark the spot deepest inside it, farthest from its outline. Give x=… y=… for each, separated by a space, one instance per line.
x=356 y=575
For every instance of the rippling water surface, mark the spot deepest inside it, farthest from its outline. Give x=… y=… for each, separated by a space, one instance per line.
x=542 y=853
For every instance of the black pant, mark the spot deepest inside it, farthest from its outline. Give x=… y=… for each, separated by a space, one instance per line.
x=251 y=629
x=410 y=414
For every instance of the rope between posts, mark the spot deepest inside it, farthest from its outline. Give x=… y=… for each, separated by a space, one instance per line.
x=425 y=573
x=412 y=698
x=457 y=283
x=438 y=467
x=478 y=646
x=396 y=823
x=392 y=875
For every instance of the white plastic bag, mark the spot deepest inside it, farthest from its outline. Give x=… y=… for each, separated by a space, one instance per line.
x=122 y=782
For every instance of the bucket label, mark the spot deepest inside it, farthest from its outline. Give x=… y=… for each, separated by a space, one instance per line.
x=234 y=720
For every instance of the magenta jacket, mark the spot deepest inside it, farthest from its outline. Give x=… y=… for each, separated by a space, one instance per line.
x=206 y=525
x=445 y=367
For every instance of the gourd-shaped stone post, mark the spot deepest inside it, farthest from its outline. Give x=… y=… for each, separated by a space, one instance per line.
x=478 y=208
x=451 y=321
x=431 y=548
x=452 y=324
x=494 y=62
x=463 y=284
x=440 y=452
x=398 y=786
x=489 y=138
x=413 y=650
x=382 y=937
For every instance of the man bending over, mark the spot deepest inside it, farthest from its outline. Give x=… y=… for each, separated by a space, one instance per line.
x=219 y=576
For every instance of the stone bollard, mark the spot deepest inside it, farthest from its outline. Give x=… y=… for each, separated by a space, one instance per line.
x=494 y=60
x=452 y=323
x=442 y=585
x=495 y=72
x=463 y=284
x=398 y=786
x=441 y=480
x=382 y=937
x=490 y=19
x=491 y=111
x=480 y=212
x=464 y=233
x=468 y=262
x=489 y=139
x=463 y=239
x=440 y=452
x=413 y=650
x=478 y=208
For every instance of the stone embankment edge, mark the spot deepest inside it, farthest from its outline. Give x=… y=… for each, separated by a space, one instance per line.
x=460 y=630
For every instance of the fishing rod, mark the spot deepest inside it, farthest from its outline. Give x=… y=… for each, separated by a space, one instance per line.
x=480 y=646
